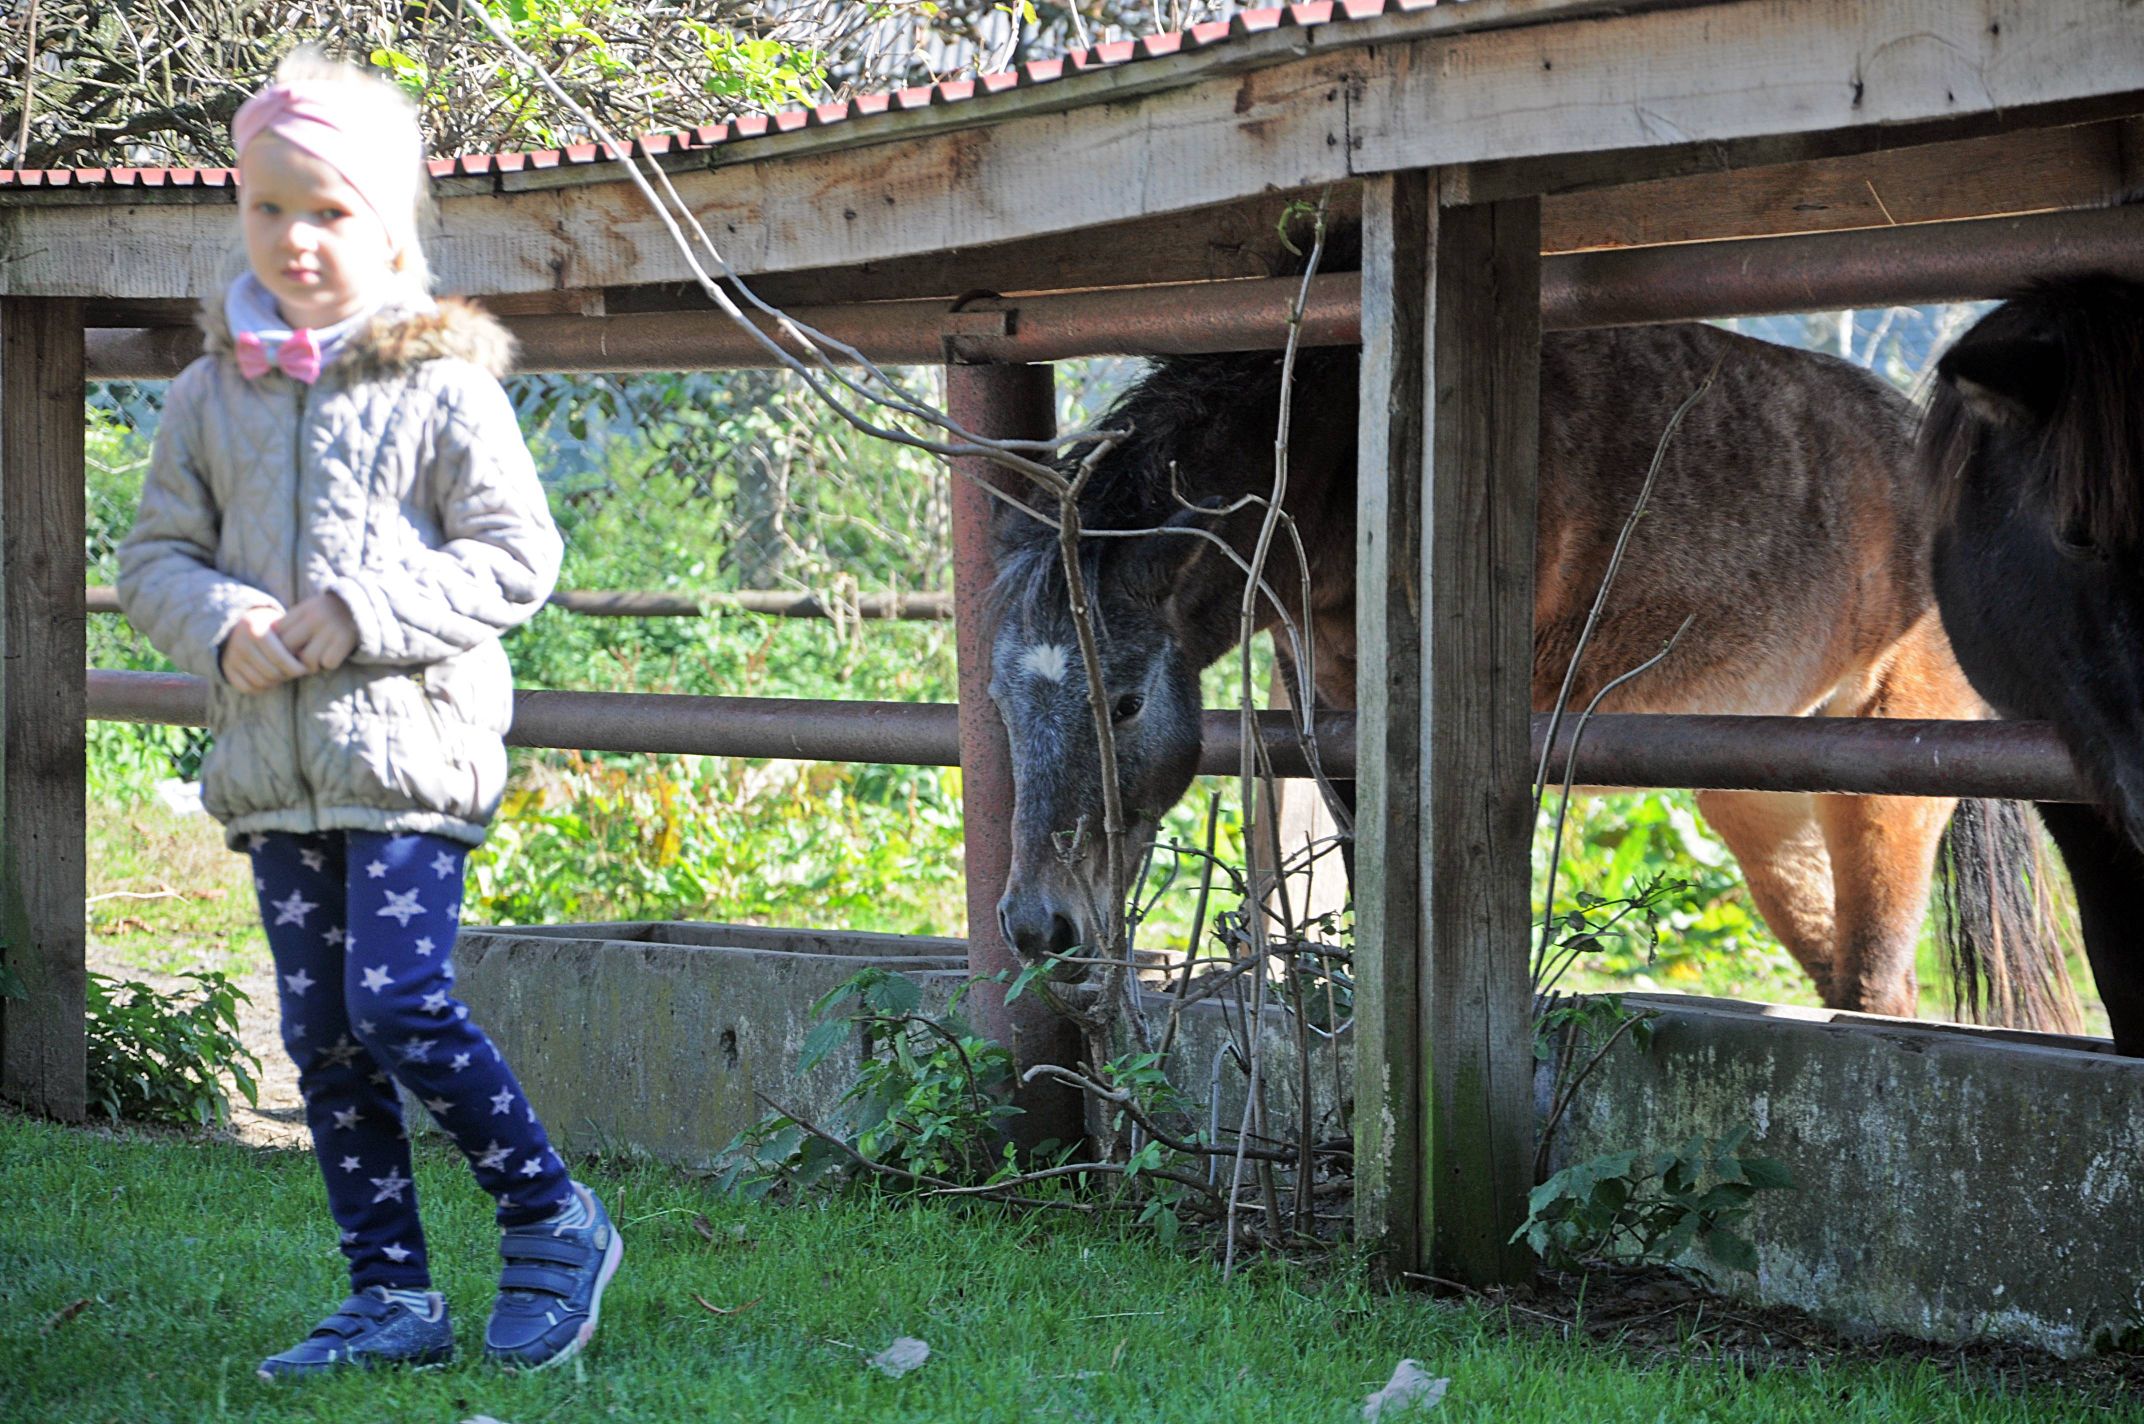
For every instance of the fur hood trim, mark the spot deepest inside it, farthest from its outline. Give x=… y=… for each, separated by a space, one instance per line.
x=399 y=339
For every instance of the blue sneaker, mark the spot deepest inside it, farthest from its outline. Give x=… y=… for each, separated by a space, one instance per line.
x=551 y=1291
x=369 y=1330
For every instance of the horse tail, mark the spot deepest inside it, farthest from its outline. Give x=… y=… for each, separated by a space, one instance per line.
x=1997 y=922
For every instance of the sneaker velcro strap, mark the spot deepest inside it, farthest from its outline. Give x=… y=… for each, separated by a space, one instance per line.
x=545 y=1279
x=555 y=1249
x=355 y=1315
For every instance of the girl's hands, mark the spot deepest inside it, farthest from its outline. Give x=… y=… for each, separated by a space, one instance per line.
x=319 y=632
x=270 y=645
x=254 y=659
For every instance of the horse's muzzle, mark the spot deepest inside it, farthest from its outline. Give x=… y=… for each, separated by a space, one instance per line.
x=1035 y=927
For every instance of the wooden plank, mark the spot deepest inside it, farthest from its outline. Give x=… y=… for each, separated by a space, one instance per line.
x=1639 y=93
x=2129 y=146
x=1210 y=244
x=43 y=1062
x=2032 y=171
x=1573 y=174
x=1397 y=220
x=1476 y=809
x=1719 y=73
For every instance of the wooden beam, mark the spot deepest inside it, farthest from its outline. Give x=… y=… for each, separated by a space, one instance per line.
x=1209 y=244
x=43 y=1056
x=1476 y=810
x=1708 y=77
x=2003 y=174
x=1397 y=218
x=1444 y=546
x=1635 y=95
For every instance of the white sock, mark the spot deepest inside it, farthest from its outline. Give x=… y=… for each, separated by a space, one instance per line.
x=421 y=1302
x=576 y=1211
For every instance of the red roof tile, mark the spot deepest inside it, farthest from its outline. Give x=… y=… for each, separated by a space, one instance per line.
x=1109 y=53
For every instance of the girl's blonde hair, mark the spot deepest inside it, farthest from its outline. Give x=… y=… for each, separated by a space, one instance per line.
x=392 y=118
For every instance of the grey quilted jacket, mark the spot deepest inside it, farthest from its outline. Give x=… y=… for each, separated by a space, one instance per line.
x=398 y=482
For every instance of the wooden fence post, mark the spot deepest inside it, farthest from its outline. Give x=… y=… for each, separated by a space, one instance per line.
x=1449 y=426
x=43 y=1059
x=1389 y=1126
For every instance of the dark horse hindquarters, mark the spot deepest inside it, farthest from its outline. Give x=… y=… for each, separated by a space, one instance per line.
x=2034 y=443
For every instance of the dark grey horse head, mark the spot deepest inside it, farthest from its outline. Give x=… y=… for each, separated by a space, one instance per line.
x=1199 y=432
x=2035 y=435
x=1196 y=437
x=1058 y=891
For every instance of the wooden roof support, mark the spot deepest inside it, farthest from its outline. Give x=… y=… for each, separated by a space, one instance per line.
x=43 y=1048
x=1445 y=534
x=1621 y=96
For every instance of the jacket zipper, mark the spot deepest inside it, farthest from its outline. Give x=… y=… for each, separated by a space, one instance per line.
x=297 y=536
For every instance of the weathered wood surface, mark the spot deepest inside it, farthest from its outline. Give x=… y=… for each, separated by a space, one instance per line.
x=1444 y=543
x=2079 y=165
x=43 y=1063
x=1397 y=219
x=1483 y=84
x=1480 y=451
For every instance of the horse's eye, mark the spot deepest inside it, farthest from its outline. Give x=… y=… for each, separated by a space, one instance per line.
x=1126 y=708
x=2074 y=543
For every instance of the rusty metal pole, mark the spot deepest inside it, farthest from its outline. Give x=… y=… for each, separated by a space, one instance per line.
x=1013 y=402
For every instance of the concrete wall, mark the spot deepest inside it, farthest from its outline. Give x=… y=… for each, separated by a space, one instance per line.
x=662 y=1037
x=1955 y=1182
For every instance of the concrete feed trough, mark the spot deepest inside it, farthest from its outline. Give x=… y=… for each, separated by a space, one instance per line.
x=660 y=1037
x=1954 y=1183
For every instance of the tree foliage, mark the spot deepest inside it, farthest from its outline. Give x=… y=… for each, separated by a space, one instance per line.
x=155 y=82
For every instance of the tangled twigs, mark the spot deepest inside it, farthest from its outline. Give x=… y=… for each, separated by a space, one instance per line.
x=1129 y=1102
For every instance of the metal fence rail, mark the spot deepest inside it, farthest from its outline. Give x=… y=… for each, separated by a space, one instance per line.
x=1853 y=756
x=779 y=603
x=1931 y=262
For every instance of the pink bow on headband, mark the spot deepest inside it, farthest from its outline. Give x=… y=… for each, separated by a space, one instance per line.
x=298 y=357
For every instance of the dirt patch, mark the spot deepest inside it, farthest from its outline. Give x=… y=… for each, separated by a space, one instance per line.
x=279 y=1118
x=1654 y=1317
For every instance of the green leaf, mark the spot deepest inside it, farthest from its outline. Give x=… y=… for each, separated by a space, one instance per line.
x=1732 y=1251
x=894 y=994
x=1767 y=1174
x=824 y=1038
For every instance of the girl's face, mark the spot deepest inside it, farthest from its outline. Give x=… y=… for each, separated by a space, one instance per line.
x=313 y=242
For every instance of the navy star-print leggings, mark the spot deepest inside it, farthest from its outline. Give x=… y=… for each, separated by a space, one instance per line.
x=362 y=925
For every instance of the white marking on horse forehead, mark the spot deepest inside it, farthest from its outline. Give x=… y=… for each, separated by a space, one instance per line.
x=1049 y=661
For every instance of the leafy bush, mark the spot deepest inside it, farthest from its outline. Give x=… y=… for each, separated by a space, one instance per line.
x=930 y=1098
x=154 y=1058
x=859 y=847
x=1653 y=1206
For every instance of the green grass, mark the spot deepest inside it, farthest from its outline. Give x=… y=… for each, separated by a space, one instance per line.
x=165 y=893
x=197 y=1257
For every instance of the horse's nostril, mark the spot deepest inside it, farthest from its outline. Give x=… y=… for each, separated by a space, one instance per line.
x=1034 y=928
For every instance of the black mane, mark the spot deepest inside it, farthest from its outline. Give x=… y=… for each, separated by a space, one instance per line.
x=1204 y=412
x=2087 y=471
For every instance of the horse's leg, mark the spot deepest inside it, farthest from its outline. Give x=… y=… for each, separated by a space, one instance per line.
x=2106 y=871
x=1787 y=867
x=1883 y=850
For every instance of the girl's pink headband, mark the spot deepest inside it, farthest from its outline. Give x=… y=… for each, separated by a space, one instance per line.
x=319 y=119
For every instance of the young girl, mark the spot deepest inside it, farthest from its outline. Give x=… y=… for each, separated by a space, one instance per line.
x=339 y=521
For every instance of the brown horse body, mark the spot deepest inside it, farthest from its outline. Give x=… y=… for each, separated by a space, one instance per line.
x=1786 y=524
